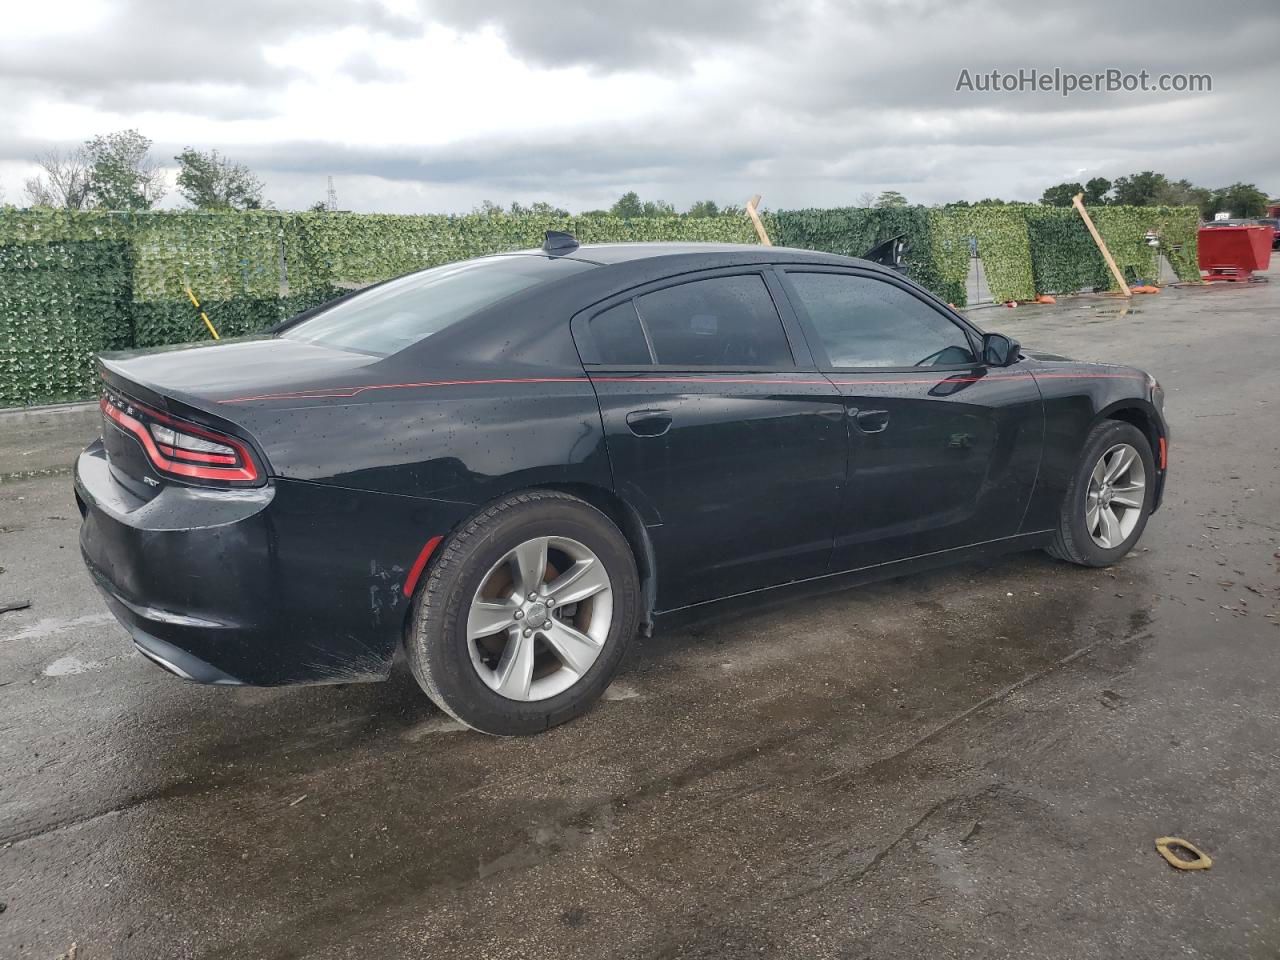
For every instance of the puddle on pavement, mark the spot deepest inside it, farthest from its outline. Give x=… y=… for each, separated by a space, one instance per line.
x=1108 y=313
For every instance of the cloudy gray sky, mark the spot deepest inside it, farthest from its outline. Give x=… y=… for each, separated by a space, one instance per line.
x=435 y=105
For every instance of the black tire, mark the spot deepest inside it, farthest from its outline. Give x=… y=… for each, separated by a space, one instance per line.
x=437 y=647
x=1072 y=541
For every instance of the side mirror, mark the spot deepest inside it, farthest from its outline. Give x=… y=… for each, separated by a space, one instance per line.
x=999 y=350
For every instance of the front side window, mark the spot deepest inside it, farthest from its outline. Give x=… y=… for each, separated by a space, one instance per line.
x=718 y=322
x=864 y=322
x=395 y=315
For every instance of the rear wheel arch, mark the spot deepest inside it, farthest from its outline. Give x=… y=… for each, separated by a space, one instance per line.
x=628 y=520
x=623 y=515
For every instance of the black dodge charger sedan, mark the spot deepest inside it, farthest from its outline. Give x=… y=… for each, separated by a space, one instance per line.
x=511 y=465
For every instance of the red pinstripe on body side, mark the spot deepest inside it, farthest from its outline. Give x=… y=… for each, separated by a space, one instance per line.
x=343 y=393
x=861 y=382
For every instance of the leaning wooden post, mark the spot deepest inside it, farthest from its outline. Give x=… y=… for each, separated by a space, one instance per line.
x=755 y=218
x=1078 y=202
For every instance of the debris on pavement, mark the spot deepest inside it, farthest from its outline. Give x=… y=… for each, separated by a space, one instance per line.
x=1165 y=846
x=8 y=606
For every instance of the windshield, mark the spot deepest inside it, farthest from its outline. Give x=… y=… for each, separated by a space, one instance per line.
x=395 y=315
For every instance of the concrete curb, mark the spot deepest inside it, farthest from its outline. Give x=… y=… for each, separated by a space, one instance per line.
x=18 y=413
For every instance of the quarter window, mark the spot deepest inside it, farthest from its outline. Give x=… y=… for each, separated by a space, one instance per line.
x=718 y=322
x=863 y=322
x=618 y=337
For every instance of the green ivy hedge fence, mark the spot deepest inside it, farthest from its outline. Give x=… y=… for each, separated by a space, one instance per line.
x=73 y=284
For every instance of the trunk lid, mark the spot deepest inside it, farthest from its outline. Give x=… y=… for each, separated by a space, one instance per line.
x=204 y=374
x=188 y=382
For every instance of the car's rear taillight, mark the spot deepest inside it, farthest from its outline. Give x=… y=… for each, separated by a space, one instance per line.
x=183 y=450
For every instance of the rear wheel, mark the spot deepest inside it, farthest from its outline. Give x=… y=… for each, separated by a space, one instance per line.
x=526 y=614
x=1109 y=500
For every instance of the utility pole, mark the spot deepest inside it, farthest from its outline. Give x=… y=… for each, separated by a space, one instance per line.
x=331 y=198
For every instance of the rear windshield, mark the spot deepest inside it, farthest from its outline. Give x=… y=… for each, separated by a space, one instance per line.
x=396 y=315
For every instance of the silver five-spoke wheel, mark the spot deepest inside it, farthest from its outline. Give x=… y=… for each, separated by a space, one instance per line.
x=1117 y=489
x=540 y=618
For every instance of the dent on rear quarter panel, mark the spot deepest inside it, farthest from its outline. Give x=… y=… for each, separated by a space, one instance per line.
x=342 y=557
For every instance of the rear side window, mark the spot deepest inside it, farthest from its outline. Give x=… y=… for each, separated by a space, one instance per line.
x=863 y=322
x=395 y=315
x=718 y=322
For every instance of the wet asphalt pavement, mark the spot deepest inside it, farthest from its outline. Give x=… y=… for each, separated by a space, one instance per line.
x=972 y=763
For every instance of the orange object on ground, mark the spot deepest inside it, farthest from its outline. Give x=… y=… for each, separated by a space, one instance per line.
x=1045 y=298
x=1145 y=289
x=1234 y=253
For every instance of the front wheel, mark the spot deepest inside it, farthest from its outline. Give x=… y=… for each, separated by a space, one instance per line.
x=526 y=614
x=1109 y=499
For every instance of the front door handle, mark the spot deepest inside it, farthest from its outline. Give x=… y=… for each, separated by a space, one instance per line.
x=648 y=423
x=870 y=421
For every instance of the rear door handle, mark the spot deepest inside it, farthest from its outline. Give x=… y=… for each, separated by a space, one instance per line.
x=870 y=421
x=648 y=423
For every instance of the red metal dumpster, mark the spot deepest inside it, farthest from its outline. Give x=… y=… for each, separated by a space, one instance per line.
x=1233 y=253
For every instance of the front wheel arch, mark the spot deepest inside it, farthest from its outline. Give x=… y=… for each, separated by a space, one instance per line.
x=1072 y=540
x=1141 y=415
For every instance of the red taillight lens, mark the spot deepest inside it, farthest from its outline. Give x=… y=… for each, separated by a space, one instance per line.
x=183 y=450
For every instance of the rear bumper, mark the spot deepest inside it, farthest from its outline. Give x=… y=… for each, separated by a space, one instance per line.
x=183 y=572
x=287 y=583
x=138 y=620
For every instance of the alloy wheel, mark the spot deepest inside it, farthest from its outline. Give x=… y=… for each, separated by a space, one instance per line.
x=540 y=618
x=1117 y=491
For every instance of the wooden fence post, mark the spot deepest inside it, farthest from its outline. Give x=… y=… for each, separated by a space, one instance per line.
x=1078 y=202
x=755 y=218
